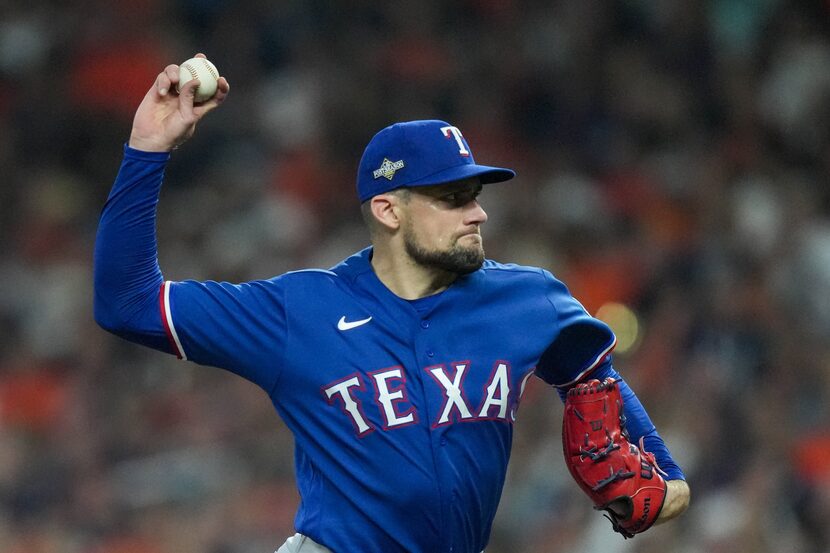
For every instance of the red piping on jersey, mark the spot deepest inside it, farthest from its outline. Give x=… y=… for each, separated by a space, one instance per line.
x=173 y=347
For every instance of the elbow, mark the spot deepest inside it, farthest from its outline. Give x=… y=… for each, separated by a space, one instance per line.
x=120 y=308
x=107 y=317
x=105 y=308
x=132 y=317
x=125 y=298
x=112 y=312
x=135 y=322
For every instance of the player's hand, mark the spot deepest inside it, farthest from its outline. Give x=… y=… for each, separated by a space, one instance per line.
x=619 y=477
x=164 y=118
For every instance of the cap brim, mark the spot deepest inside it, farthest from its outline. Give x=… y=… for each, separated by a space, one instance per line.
x=486 y=173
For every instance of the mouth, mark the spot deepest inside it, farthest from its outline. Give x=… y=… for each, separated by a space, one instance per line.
x=474 y=236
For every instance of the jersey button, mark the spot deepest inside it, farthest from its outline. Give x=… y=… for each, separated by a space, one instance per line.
x=430 y=353
x=425 y=324
x=443 y=441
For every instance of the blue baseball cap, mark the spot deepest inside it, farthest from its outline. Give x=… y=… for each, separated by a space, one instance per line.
x=419 y=153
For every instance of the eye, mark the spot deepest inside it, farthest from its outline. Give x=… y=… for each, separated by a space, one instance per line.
x=460 y=198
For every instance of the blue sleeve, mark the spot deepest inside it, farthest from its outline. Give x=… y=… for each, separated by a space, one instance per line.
x=239 y=327
x=127 y=278
x=580 y=344
x=638 y=424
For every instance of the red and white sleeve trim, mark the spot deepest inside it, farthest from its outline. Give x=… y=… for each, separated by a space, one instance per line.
x=597 y=360
x=167 y=320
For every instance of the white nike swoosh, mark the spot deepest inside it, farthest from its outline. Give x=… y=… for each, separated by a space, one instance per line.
x=343 y=324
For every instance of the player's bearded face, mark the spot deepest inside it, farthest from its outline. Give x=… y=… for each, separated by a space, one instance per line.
x=442 y=231
x=456 y=257
x=441 y=228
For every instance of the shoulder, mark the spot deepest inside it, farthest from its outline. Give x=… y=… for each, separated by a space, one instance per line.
x=535 y=282
x=308 y=274
x=307 y=280
x=519 y=281
x=345 y=271
x=510 y=270
x=513 y=272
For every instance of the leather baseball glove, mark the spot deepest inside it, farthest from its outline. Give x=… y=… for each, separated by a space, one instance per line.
x=618 y=476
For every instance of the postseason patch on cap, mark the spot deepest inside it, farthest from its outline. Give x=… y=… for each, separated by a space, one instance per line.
x=388 y=168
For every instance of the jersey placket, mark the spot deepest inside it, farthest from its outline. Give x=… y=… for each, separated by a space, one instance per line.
x=426 y=354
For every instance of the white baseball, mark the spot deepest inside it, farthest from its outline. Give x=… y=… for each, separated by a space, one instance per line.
x=205 y=71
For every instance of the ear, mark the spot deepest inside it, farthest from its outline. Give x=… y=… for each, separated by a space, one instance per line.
x=386 y=210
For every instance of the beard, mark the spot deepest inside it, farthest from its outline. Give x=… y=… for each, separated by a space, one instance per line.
x=458 y=259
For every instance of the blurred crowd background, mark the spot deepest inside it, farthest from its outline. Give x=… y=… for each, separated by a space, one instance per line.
x=673 y=162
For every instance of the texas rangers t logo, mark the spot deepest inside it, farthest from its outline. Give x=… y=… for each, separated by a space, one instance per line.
x=454 y=132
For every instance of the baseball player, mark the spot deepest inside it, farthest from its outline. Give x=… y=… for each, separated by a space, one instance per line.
x=400 y=370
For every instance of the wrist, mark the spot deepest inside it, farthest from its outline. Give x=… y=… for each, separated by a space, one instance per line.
x=676 y=502
x=142 y=155
x=148 y=145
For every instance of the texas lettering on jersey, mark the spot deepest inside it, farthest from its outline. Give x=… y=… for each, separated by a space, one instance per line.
x=389 y=395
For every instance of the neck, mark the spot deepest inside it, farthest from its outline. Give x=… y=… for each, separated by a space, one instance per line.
x=406 y=278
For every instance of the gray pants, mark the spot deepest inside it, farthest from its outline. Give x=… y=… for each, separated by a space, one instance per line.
x=299 y=543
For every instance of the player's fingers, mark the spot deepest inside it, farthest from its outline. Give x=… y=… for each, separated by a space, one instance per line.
x=187 y=96
x=200 y=55
x=172 y=72
x=222 y=87
x=222 y=90
x=162 y=84
x=167 y=79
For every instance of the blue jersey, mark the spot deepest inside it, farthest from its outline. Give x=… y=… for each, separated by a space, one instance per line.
x=394 y=406
x=402 y=411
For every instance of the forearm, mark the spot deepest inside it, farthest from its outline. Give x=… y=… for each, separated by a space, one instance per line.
x=638 y=423
x=639 y=426
x=127 y=275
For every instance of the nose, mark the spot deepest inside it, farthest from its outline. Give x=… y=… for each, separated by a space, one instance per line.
x=475 y=214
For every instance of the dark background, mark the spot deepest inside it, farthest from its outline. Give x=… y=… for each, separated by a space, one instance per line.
x=673 y=162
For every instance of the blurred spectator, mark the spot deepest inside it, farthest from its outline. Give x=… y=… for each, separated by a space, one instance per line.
x=673 y=159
